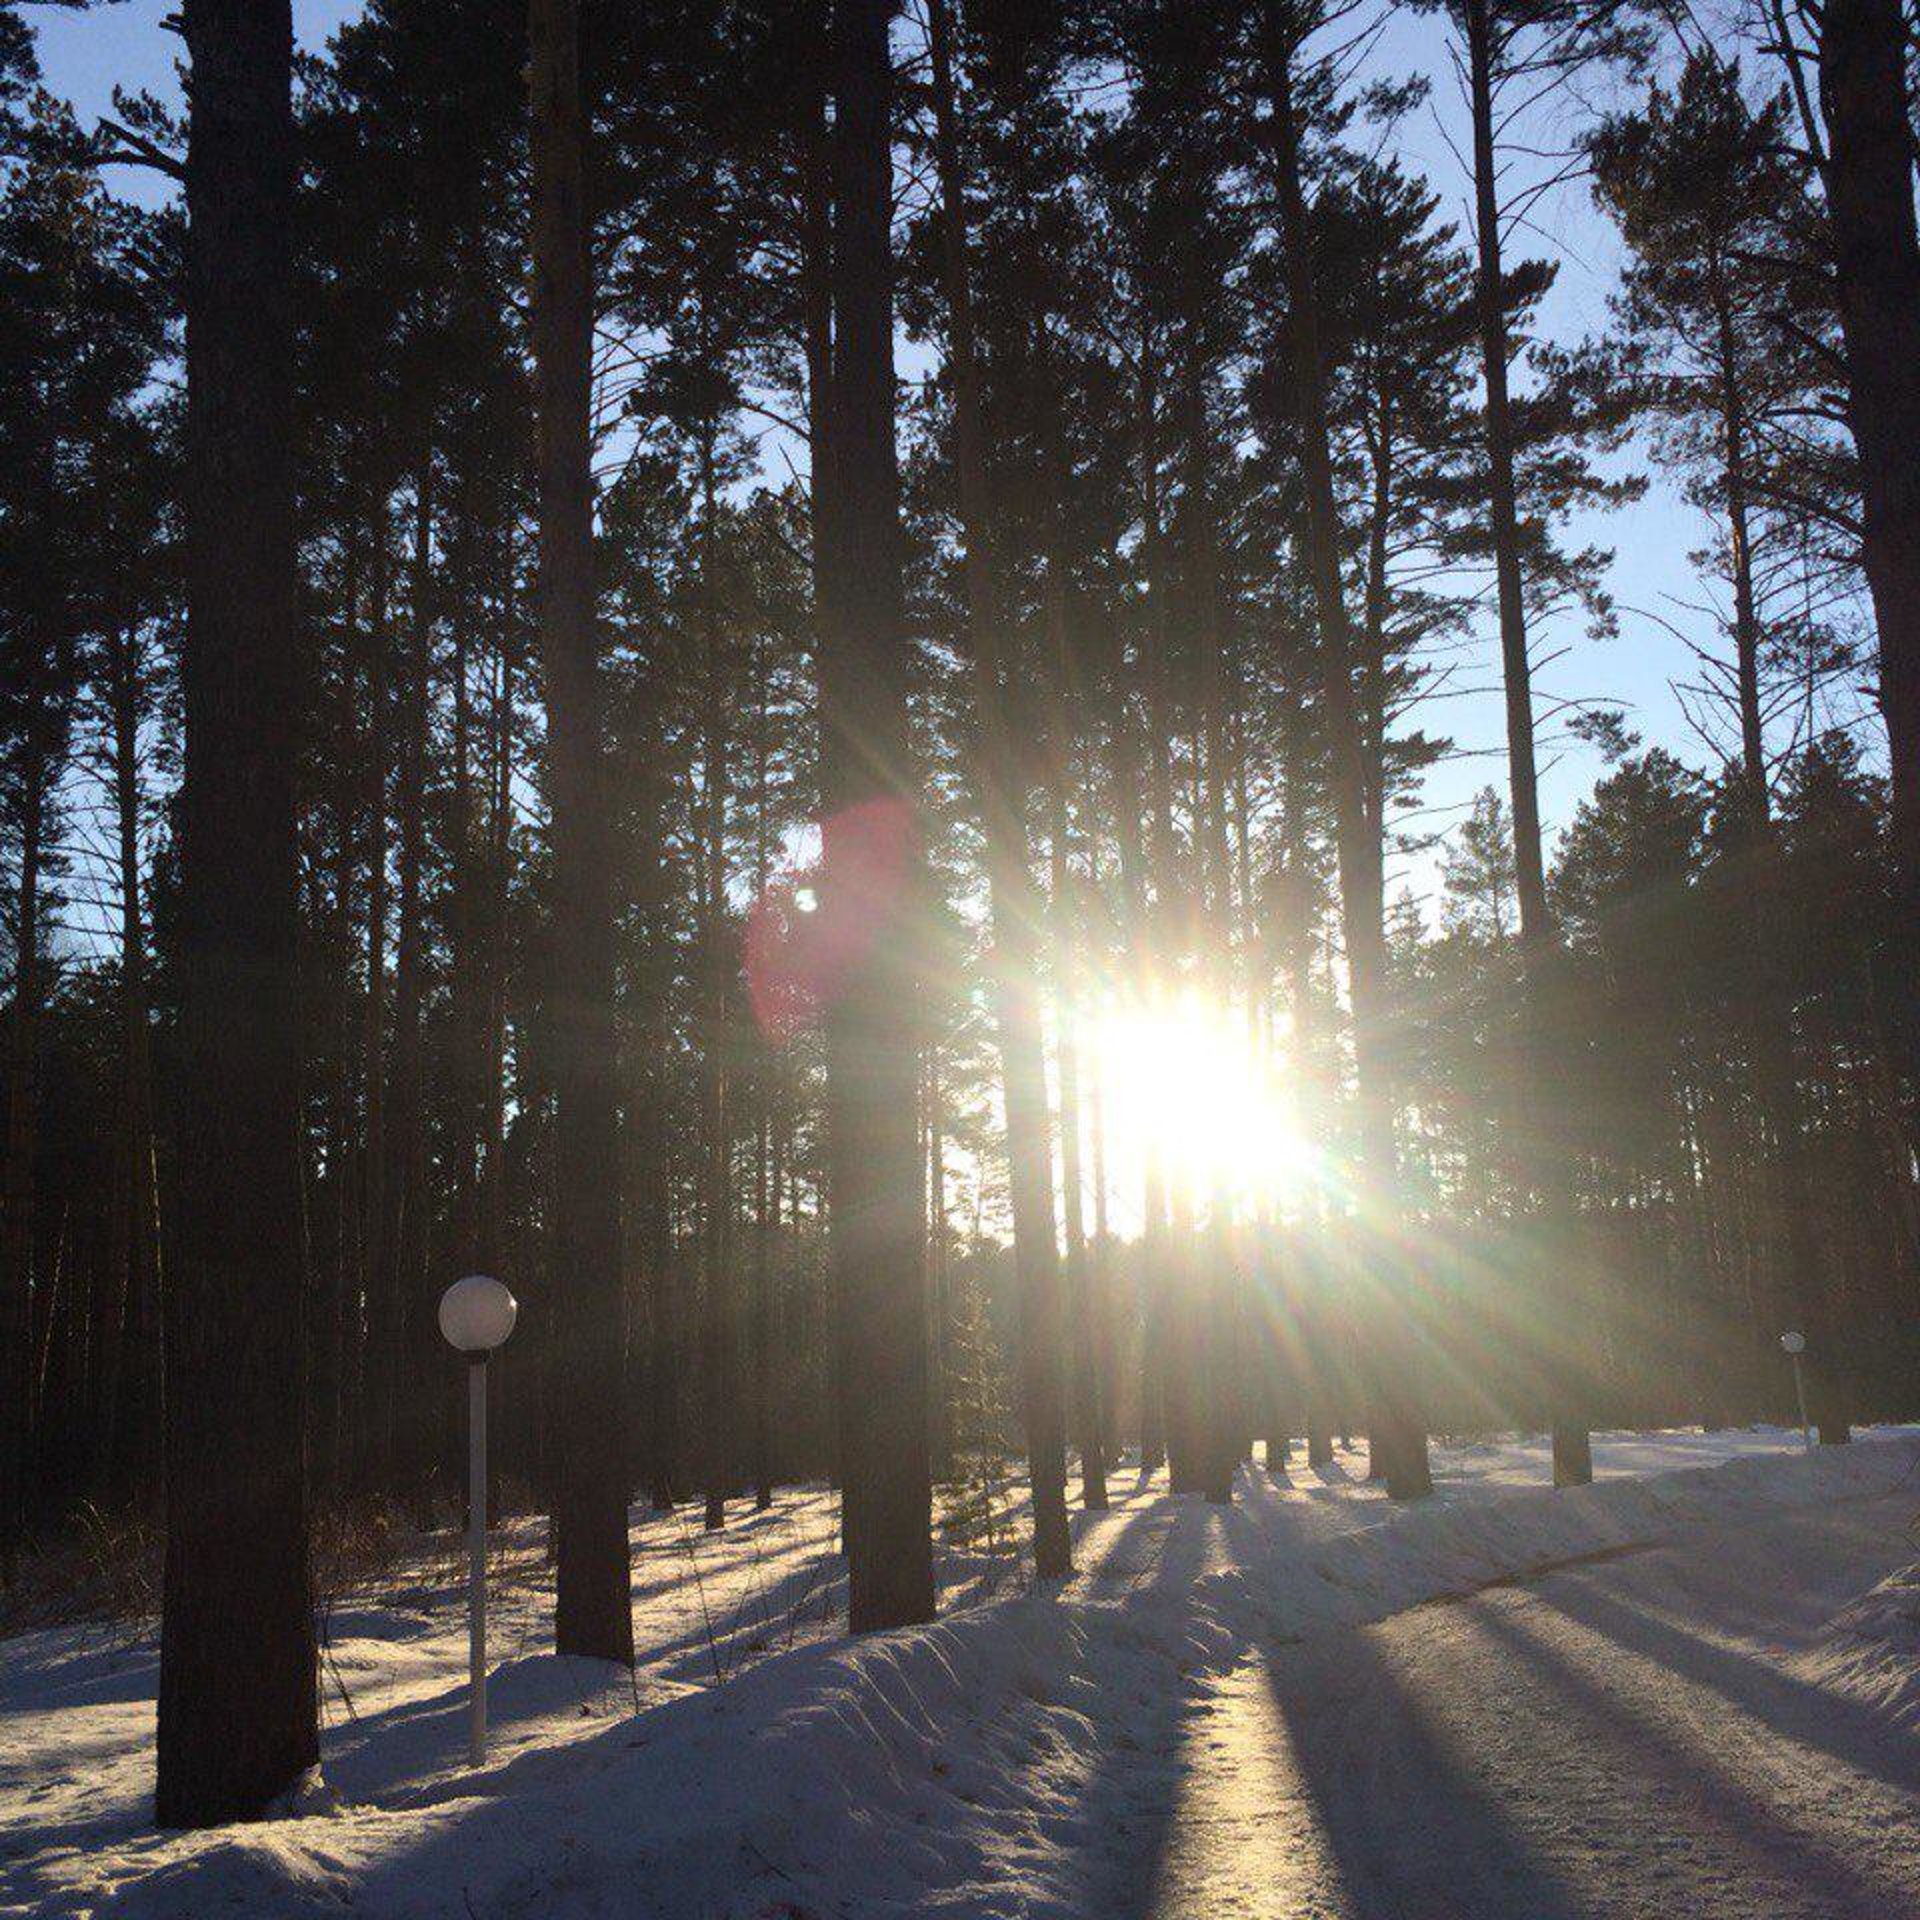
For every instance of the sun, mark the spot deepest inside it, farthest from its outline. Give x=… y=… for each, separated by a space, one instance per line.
x=1187 y=1082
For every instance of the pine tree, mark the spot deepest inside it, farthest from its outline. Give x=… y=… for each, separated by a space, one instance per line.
x=1865 y=104
x=592 y=1614
x=1397 y=1435
x=238 y=1716
x=872 y=889
x=1700 y=188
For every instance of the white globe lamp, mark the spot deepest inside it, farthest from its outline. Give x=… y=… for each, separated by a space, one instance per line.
x=476 y=1315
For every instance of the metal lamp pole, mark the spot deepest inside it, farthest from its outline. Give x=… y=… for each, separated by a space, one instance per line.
x=476 y=1315
x=1794 y=1345
x=476 y=1558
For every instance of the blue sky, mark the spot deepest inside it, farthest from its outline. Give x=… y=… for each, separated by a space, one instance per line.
x=85 y=54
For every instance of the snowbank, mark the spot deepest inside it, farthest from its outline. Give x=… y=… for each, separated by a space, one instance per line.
x=1871 y=1650
x=976 y=1765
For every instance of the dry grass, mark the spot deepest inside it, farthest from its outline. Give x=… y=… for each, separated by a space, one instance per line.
x=100 y=1564
x=103 y=1563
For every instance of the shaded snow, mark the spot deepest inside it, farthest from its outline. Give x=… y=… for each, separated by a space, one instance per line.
x=1628 y=1738
x=758 y=1763
x=1870 y=1650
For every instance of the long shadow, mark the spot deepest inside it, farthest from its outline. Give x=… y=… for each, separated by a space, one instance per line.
x=1334 y=1481
x=1126 y=1555
x=1135 y=1807
x=400 y=1755
x=653 y=1794
x=1113 y=1835
x=1682 y=1780
x=1120 y=1827
x=1159 y=1546
x=1446 y=1849
x=1842 y=1728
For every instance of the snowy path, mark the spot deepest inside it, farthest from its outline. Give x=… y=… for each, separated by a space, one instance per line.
x=1252 y=1710
x=1635 y=1738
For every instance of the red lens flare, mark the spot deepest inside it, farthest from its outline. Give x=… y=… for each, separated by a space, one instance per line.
x=813 y=927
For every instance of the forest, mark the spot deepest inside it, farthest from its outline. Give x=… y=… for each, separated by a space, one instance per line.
x=787 y=671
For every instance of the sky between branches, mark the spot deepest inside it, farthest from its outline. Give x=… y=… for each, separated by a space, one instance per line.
x=85 y=55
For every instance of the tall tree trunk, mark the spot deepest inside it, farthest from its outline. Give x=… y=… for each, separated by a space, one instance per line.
x=765 y=1193
x=818 y=148
x=1082 y=1312
x=1314 y=1311
x=409 y=1324
x=871 y=883
x=467 y=930
x=1395 y=1417
x=1567 y=1368
x=1013 y=901
x=380 y=1361
x=592 y=1607
x=238 y=1713
x=649 y=1147
x=939 y=1275
x=1124 y=754
x=1100 y=1270
x=17 y=1193
x=132 y=1436
x=490 y=1226
x=719 y=1443
x=1214 y=1413
x=1065 y=731
x=1790 y=1203
x=331 y=1351
x=1161 y=1407
x=1864 y=49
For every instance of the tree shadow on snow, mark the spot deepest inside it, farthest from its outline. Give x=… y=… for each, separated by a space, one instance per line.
x=1679 y=1775
x=1448 y=1852
x=1794 y=1708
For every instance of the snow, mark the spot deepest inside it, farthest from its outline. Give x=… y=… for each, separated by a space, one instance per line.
x=758 y=1763
x=1619 y=1739
x=1870 y=1650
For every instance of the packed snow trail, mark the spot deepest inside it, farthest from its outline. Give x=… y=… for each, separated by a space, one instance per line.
x=1632 y=1739
x=1045 y=1754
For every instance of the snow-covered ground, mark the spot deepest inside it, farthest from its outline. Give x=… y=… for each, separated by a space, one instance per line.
x=1630 y=1738
x=757 y=1763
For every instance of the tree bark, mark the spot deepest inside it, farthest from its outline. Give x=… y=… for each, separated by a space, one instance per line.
x=1162 y=1401
x=717 y=1398
x=765 y=1193
x=381 y=1362
x=592 y=1608
x=871 y=887
x=939 y=1277
x=1081 y=1309
x=133 y=1435
x=238 y=1713
x=1214 y=1413
x=408 y=1324
x=17 y=1202
x=1876 y=257
x=489 y=1234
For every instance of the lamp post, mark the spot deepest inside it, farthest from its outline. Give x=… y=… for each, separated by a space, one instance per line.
x=476 y=1315
x=1793 y=1345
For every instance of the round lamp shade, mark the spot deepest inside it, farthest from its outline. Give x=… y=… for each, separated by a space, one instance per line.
x=1793 y=1343
x=477 y=1313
